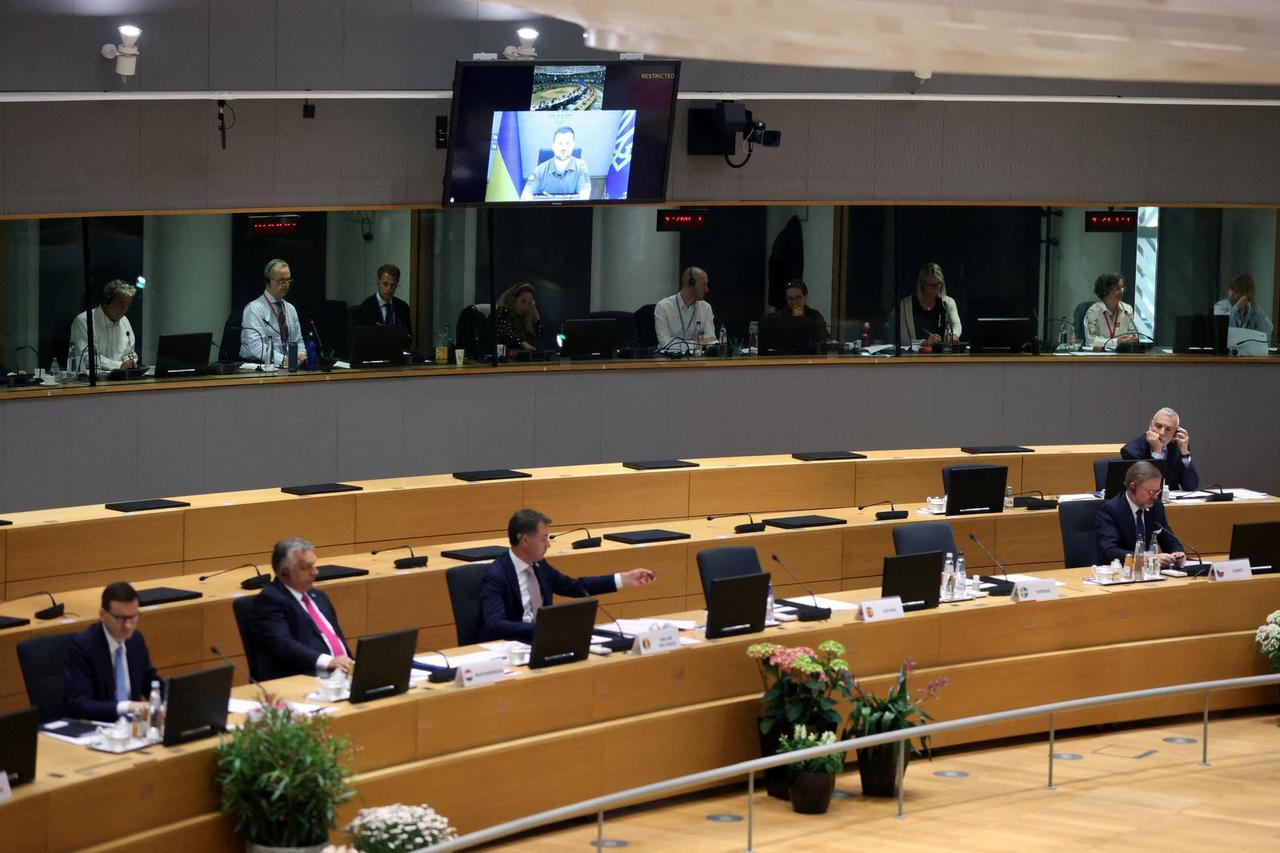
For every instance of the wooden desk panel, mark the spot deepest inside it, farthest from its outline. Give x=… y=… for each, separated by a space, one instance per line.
x=142 y=539
x=905 y=478
x=772 y=488
x=866 y=545
x=814 y=557
x=413 y=598
x=1028 y=537
x=136 y=575
x=323 y=519
x=1060 y=471
x=622 y=498
x=1207 y=527
x=471 y=508
x=385 y=733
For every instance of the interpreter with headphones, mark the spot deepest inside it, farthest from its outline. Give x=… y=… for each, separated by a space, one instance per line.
x=113 y=337
x=684 y=319
x=269 y=320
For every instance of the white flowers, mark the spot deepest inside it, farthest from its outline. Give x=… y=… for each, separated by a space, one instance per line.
x=1268 y=638
x=397 y=827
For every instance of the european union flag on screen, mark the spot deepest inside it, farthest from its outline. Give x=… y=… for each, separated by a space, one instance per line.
x=506 y=178
x=615 y=185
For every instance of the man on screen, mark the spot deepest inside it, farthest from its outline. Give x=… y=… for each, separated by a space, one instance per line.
x=562 y=176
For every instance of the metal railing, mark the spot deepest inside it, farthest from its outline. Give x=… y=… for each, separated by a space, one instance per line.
x=750 y=768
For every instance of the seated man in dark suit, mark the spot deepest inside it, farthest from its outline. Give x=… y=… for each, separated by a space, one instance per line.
x=1166 y=439
x=294 y=627
x=1137 y=514
x=520 y=581
x=108 y=671
x=383 y=308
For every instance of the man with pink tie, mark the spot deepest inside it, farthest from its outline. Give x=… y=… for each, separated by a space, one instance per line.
x=294 y=627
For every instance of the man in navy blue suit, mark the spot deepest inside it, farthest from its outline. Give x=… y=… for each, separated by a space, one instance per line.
x=1166 y=439
x=294 y=628
x=107 y=671
x=520 y=582
x=1137 y=514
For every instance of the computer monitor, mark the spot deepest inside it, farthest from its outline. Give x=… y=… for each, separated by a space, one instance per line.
x=178 y=355
x=18 y=730
x=197 y=704
x=593 y=338
x=562 y=633
x=1000 y=334
x=1117 y=468
x=379 y=345
x=1256 y=541
x=915 y=578
x=977 y=489
x=383 y=662
x=783 y=335
x=736 y=605
x=1200 y=334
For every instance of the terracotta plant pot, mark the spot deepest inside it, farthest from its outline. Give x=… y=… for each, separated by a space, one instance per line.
x=811 y=791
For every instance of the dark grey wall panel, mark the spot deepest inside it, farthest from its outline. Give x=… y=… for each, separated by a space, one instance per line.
x=370 y=431
x=237 y=431
x=377 y=45
x=175 y=142
x=566 y=418
x=1028 y=410
x=35 y=460
x=634 y=418
x=304 y=432
x=174 y=46
x=975 y=159
x=242 y=44
x=103 y=464
x=170 y=431
x=244 y=175
x=309 y=52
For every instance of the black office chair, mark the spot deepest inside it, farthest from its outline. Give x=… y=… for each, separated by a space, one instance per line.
x=646 y=332
x=728 y=562
x=1078 y=520
x=1100 y=471
x=42 y=660
x=464 y=597
x=473 y=330
x=922 y=537
x=626 y=325
x=229 y=345
x=333 y=322
x=1077 y=318
x=947 y=469
x=242 y=607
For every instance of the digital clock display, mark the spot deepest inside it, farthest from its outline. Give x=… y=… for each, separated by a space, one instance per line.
x=681 y=220
x=1110 y=220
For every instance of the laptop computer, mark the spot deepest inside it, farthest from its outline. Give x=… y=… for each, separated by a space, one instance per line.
x=1259 y=543
x=183 y=355
x=914 y=578
x=383 y=662
x=373 y=346
x=562 y=633
x=977 y=490
x=591 y=339
x=782 y=335
x=18 y=731
x=736 y=605
x=197 y=704
x=1117 y=468
x=1000 y=334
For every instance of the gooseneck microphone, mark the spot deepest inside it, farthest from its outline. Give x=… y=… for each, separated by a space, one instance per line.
x=413 y=561
x=804 y=612
x=263 y=696
x=258 y=581
x=578 y=544
x=998 y=587
x=753 y=527
x=437 y=674
x=1220 y=495
x=1202 y=568
x=618 y=640
x=885 y=514
x=53 y=611
x=1024 y=500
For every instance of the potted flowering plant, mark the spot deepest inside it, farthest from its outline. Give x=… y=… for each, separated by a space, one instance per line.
x=813 y=780
x=802 y=686
x=398 y=829
x=1268 y=638
x=871 y=714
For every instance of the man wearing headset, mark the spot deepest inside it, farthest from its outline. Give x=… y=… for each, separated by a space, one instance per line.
x=1136 y=514
x=113 y=338
x=294 y=627
x=1166 y=439
x=269 y=320
x=684 y=319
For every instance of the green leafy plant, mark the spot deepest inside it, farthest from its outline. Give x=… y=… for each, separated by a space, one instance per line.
x=801 y=685
x=281 y=777
x=1268 y=638
x=802 y=738
x=898 y=709
x=398 y=829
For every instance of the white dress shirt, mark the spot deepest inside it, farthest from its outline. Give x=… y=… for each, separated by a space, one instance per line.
x=113 y=341
x=1101 y=327
x=675 y=321
x=522 y=578
x=260 y=324
x=122 y=707
x=323 y=662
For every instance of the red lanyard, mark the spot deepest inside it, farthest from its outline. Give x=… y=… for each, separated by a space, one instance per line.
x=1111 y=327
x=279 y=319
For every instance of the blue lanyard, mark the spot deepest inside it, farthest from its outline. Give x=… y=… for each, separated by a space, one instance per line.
x=692 y=316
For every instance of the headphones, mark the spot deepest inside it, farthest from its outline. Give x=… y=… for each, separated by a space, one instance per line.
x=692 y=282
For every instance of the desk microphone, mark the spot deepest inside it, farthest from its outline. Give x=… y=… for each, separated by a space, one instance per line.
x=258 y=581
x=1220 y=495
x=804 y=612
x=413 y=561
x=53 y=611
x=999 y=588
x=589 y=542
x=263 y=696
x=619 y=641
x=1202 y=570
x=753 y=527
x=1024 y=500
x=437 y=674
x=886 y=514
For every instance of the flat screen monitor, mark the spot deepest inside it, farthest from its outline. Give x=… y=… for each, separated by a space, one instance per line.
x=1200 y=334
x=197 y=704
x=383 y=662
x=562 y=633
x=546 y=132
x=379 y=345
x=915 y=578
x=736 y=605
x=781 y=335
x=977 y=489
x=590 y=338
x=1258 y=542
x=1000 y=334
x=183 y=354
x=1117 y=468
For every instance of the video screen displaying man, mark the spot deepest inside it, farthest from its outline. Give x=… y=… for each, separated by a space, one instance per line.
x=565 y=175
x=560 y=156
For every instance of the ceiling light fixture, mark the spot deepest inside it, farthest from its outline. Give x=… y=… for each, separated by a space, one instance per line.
x=126 y=53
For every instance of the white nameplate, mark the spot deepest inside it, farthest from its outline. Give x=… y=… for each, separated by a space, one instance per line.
x=481 y=672
x=6 y=793
x=1231 y=570
x=1035 y=589
x=657 y=641
x=880 y=609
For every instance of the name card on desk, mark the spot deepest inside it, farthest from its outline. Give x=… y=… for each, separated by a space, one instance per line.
x=657 y=641
x=1231 y=570
x=1035 y=589
x=880 y=609
x=6 y=793
x=481 y=672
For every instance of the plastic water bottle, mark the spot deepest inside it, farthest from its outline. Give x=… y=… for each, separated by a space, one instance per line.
x=724 y=342
x=55 y=370
x=73 y=361
x=697 y=343
x=768 y=605
x=156 y=715
x=948 y=590
x=313 y=353
x=866 y=334
x=753 y=338
x=1008 y=497
x=962 y=579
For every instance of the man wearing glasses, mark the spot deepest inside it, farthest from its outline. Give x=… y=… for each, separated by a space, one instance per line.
x=1137 y=515
x=1166 y=439
x=108 y=672
x=268 y=320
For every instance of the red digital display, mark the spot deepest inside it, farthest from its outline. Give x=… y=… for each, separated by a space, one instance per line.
x=282 y=225
x=1110 y=220
x=681 y=220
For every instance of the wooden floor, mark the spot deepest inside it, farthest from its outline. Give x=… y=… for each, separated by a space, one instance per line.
x=1129 y=790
